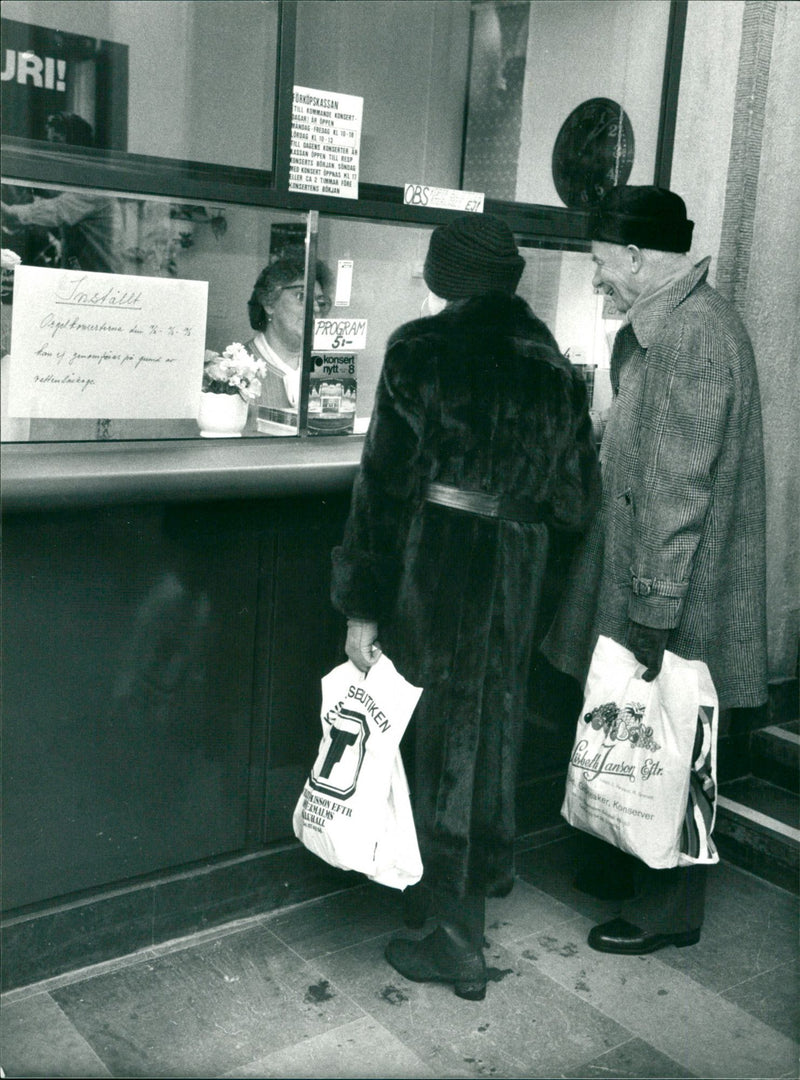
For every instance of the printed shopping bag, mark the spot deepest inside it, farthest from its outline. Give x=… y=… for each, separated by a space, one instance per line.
x=642 y=774
x=354 y=811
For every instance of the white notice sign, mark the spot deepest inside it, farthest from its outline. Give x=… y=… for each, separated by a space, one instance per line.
x=339 y=335
x=107 y=346
x=443 y=198
x=326 y=138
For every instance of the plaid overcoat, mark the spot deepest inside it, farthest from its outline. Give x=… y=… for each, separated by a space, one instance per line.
x=680 y=540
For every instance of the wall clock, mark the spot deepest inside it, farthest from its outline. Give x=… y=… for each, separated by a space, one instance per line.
x=593 y=152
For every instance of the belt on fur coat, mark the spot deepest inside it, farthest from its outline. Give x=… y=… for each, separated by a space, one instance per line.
x=483 y=504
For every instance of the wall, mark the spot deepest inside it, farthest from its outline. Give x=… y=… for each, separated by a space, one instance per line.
x=772 y=313
x=739 y=82
x=705 y=118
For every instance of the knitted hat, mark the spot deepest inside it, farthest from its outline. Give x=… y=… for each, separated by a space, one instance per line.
x=472 y=254
x=649 y=217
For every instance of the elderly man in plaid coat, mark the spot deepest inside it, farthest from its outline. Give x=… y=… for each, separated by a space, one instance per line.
x=676 y=557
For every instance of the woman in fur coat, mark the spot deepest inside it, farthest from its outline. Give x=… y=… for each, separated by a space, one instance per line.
x=479 y=452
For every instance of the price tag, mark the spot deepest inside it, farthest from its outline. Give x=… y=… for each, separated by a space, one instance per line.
x=339 y=335
x=443 y=198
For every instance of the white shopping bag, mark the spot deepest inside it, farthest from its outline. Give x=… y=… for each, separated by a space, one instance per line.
x=354 y=811
x=642 y=774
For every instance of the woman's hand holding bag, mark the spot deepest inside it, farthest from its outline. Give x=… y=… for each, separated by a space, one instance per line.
x=355 y=811
x=362 y=645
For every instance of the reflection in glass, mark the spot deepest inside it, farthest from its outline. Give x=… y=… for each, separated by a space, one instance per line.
x=533 y=64
x=226 y=246
x=408 y=61
x=146 y=78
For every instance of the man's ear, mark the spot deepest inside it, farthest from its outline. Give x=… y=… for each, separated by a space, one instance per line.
x=635 y=256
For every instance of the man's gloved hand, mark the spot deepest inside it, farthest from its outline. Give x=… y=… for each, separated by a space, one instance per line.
x=647 y=643
x=362 y=646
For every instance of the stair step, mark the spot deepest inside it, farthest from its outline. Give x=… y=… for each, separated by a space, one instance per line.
x=757 y=829
x=775 y=754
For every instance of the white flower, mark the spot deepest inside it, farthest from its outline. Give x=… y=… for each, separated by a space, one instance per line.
x=235 y=367
x=9 y=259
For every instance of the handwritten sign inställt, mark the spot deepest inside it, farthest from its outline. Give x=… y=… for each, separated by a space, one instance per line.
x=87 y=345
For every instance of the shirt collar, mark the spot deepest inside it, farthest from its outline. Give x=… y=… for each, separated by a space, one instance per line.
x=649 y=312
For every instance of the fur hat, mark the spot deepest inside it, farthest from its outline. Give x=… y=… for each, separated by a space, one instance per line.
x=649 y=217
x=470 y=255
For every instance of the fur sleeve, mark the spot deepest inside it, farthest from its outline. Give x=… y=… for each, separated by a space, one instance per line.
x=576 y=486
x=386 y=492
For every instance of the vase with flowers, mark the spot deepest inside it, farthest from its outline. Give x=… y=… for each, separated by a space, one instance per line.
x=231 y=380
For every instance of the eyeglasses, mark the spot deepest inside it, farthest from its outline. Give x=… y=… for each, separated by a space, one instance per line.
x=299 y=291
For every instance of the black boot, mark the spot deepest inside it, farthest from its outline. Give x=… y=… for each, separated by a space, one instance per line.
x=444 y=956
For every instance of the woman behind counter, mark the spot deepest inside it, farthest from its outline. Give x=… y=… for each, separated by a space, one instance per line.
x=276 y=310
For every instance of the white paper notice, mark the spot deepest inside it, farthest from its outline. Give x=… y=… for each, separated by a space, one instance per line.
x=344 y=283
x=326 y=137
x=106 y=346
x=443 y=198
x=336 y=334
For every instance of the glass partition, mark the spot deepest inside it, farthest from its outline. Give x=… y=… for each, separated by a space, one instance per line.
x=368 y=281
x=164 y=78
x=409 y=62
x=377 y=272
x=558 y=287
x=525 y=101
x=68 y=232
x=564 y=98
x=383 y=265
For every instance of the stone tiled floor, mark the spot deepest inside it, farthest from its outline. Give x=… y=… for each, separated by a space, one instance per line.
x=306 y=993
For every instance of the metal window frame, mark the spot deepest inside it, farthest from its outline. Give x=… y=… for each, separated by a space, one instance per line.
x=138 y=174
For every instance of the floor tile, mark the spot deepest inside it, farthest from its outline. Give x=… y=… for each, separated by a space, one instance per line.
x=750 y=927
x=690 y=1024
x=205 y=1010
x=552 y=869
x=361 y=1049
x=38 y=1040
x=634 y=1060
x=339 y=921
x=772 y=997
x=526 y=910
x=527 y=1026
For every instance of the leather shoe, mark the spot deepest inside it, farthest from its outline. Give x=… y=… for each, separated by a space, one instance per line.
x=620 y=936
x=444 y=956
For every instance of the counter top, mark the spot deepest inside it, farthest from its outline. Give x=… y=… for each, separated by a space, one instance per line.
x=65 y=475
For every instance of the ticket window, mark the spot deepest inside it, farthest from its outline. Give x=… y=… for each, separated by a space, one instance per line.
x=225 y=247
x=378 y=284
x=558 y=286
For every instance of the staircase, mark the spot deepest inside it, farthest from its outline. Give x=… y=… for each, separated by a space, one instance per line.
x=758 y=815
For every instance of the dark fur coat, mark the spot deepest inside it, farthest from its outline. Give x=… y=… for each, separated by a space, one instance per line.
x=478 y=397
